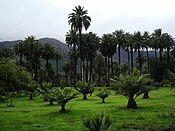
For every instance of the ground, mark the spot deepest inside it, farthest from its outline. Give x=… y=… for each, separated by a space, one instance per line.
x=156 y=113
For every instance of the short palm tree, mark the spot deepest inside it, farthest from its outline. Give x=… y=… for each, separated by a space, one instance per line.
x=131 y=87
x=63 y=96
x=84 y=88
x=97 y=123
x=103 y=94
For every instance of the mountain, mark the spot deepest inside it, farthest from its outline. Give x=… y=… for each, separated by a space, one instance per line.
x=61 y=47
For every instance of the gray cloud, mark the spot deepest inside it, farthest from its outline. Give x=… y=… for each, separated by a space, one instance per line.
x=21 y=18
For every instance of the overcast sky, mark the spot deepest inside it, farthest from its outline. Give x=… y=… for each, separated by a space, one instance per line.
x=49 y=18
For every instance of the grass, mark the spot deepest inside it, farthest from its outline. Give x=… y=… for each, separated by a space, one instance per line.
x=156 y=113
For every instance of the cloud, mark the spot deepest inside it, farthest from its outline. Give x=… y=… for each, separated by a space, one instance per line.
x=21 y=18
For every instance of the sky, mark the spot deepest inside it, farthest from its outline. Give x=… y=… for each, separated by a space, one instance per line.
x=49 y=18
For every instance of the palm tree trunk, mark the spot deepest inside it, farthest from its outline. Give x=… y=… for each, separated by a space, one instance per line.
x=112 y=69
x=140 y=64
x=146 y=95
x=63 y=110
x=119 y=59
x=147 y=57
x=84 y=97
x=168 y=52
x=90 y=74
x=106 y=74
x=160 y=53
x=87 y=71
x=81 y=56
x=155 y=53
x=75 y=64
x=103 y=100
x=132 y=65
x=128 y=61
x=131 y=103
x=20 y=63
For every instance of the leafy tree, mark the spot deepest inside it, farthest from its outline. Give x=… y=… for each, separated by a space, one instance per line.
x=79 y=19
x=97 y=123
x=13 y=79
x=63 y=96
x=103 y=94
x=84 y=88
x=131 y=87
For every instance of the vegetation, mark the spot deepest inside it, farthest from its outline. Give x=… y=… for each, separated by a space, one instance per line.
x=156 y=113
x=131 y=87
x=98 y=123
x=84 y=88
x=103 y=94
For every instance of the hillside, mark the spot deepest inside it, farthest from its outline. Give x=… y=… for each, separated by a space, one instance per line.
x=61 y=47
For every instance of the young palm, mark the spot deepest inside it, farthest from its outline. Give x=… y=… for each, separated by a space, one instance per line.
x=84 y=88
x=131 y=87
x=103 y=94
x=63 y=96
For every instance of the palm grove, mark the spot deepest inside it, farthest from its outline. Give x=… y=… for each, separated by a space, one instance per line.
x=90 y=63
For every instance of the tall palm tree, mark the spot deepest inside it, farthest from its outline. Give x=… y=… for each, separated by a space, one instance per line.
x=19 y=50
x=79 y=19
x=158 y=41
x=120 y=40
x=48 y=54
x=72 y=39
x=146 y=45
x=138 y=41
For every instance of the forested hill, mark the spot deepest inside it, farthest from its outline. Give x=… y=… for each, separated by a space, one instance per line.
x=61 y=47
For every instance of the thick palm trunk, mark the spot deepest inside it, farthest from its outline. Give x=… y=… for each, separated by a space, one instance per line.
x=112 y=69
x=51 y=102
x=90 y=73
x=132 y=65
x=160 y=54
x=108 y=72
x=75 y=65
x=146 y=95
x=131 y=103
x=147 y=57
x=103 y=100
x=63 y=110
x=140 y=64
x=84 y=97
x=81 y=56
x=87 y=72
x=31 y=96
x=168 y=53
x=128 y=62
x=155 y=53
x=119 y=57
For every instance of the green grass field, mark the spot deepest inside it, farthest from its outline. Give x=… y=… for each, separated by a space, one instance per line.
x=156 y=113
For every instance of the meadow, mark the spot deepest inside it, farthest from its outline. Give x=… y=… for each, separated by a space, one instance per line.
x=156 y=113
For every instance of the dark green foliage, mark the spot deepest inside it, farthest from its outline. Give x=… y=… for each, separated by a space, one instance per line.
x=13 y=78
x=131 y=86
x=158 y=70
x=62 y=96
x=103 y=94
x=97 y=123
x=85 y=88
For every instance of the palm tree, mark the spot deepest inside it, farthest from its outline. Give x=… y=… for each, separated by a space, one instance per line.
x=85 y=88
x=138 y=41
x=91 y=41
x=79 y=19
x=72 y=39
x=63 y=96
x=106 y=41
x=158 y=41
x=146 y=45
x=103 y=94
x=131 y=86
x=57 y=56
x=120 y=40
x=48 y=54
x=19 y=50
